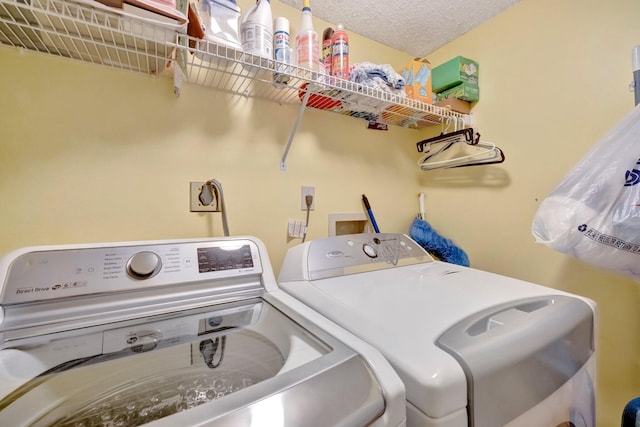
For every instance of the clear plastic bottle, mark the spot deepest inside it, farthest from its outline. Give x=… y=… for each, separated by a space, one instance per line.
x=256 y=30
x=307 y=46
x=340 y=53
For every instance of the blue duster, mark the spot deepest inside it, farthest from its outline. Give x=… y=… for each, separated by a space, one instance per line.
x=441 y=247
x=631 y=413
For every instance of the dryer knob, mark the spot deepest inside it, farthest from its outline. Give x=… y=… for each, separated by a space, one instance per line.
x=144 y=265
x=369 y=250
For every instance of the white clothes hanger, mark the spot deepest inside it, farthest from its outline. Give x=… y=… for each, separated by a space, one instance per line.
x=481 y=153
x=446 y=150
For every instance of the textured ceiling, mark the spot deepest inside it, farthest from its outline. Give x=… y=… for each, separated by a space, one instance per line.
x=416 y=27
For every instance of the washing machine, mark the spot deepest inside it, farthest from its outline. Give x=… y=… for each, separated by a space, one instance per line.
x=474 y=349
x=177 y=333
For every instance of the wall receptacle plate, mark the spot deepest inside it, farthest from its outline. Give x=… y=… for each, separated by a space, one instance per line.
x=194 y=199
x=307 y=190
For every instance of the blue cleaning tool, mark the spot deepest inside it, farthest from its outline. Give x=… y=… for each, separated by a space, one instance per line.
x=631 y=413
x=367 y=206
x=441 y=247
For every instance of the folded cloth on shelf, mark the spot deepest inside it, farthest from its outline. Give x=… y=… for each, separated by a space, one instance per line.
x=381 y=76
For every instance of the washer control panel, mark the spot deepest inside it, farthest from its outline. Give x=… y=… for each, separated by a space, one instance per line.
x=43 y=273
x=339 y=255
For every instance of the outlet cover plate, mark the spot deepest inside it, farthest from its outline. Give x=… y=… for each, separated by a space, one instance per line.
x=196 y=205
x=307 y=190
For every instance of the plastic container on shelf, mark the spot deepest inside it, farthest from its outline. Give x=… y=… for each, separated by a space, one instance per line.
x=340 y=53
x=256 y=30
x=220 y=19
x=325 y=60
x=307 y=46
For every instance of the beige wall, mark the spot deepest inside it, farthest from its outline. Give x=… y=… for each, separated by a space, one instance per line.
x=91 y=154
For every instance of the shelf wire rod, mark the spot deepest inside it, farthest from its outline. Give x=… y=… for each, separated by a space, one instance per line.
x=64 y=39
x=38 y=37
x=76 y=48
x=136 y=57
x=9 y=29
x=283 y=160
x=108 y=51
x=200 y=74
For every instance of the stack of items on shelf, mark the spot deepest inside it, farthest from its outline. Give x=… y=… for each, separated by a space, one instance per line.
x=328 y=61
x=128 y=34
x=216 y=21
x=256 y=32
x=455 y=84
x=317 y=63
x=157 y=10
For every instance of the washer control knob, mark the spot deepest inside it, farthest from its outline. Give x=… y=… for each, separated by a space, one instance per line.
x=143 y=265
x=369 y=251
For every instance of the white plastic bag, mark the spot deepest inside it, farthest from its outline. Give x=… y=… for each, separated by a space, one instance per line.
x=594 y=214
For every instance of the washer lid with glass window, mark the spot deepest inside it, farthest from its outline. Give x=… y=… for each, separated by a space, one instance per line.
x=168 y=333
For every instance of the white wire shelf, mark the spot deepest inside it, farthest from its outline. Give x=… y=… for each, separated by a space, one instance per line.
x=234 y=71
x=88 y=31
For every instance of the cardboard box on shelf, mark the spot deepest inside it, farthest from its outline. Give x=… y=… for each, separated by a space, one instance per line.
x=454 y=72
x=464 y=91
x=455 y=104
x=417 y=80
x=112 y=3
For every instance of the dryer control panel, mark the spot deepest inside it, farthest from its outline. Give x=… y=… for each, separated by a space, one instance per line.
x=352 y=253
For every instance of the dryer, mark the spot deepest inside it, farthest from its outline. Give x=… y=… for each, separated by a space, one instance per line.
x=184 y=332
x=473 y=348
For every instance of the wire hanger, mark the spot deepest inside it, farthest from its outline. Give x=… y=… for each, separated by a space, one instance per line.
x=481 y=153
x=445 y=150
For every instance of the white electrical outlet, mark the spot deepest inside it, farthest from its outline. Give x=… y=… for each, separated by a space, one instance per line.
x=195 y=196
x=311 y=191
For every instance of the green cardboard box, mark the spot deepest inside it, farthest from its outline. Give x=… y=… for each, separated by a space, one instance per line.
x=454 y=72
x=465 y=91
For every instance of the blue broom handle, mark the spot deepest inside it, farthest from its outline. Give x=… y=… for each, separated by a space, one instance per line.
x=370 y=213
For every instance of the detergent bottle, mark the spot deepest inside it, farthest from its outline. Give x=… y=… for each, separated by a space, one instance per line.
x=307 y=46
x=256 y=29
x=340 y=53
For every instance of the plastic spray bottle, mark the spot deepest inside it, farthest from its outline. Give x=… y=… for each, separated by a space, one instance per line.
x=281 y=50
x=307 y=46
x=256 y=30
x=340 y=53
